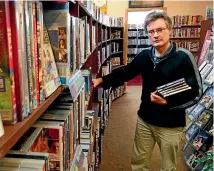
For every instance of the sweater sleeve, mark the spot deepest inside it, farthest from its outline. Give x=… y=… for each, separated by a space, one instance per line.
x=125 y=73
x=192 y=77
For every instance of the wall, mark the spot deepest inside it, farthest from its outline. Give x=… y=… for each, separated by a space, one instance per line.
x=116 y=8
x=187 y=7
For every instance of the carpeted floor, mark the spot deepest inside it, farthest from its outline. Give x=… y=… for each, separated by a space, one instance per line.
x=119 y=134
x=137 y=81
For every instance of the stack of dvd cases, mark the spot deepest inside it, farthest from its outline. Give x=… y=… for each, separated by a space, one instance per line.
x=173 y=88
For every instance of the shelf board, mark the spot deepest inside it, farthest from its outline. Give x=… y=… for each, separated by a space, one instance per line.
x=116 y=27
x=105 y=60
x=113 y=53
x=108 y=26
x=138 y=37
x=115 y=39
x=103 y=63
x=99 y=44
x=14 y=132
x=94 y=19
x=84 y=9
x=139 y=46
x=104 y=25
x=191 y=25
x=94 y=49
x=87 y=57
x=104 y=41
x=116 y=66
x=134 y=29
x=86 y=60
x=185 y=37
x=86 y=12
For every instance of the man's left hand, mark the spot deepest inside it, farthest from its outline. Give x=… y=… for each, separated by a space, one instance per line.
x=157 y=99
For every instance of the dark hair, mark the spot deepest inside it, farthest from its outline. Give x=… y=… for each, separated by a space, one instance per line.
x=156 y=14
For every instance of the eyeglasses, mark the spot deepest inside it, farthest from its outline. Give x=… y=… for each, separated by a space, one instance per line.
x=159 y=31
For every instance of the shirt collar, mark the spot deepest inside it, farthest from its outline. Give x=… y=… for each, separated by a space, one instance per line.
x=167 y=51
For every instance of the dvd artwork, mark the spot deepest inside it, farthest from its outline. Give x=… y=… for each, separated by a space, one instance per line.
x=200 y=139
x=203 y=119
x=48 y=142
x=192 y=131
x=207 y=99
x=196 y=111
x=210 y=77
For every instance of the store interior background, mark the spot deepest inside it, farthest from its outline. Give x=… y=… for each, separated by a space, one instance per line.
x=116 y=8
x=116 y=147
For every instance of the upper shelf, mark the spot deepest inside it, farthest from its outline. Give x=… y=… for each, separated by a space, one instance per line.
x=84 y=10
x=117 y=27
x=190 y=25
x=14 y=132
x=115 y=39
x=185 y=38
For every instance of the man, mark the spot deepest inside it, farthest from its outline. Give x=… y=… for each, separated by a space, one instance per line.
x=160 y=120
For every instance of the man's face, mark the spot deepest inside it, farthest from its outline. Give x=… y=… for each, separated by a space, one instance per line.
x=158 y=33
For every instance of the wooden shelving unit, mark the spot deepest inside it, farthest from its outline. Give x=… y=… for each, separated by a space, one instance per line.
x=191 y=30
x=76 y=9
x=14 y=132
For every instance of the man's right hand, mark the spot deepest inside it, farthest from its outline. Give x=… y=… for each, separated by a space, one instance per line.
x=97 y=81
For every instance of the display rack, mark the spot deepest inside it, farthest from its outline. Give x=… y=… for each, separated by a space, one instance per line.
x=100 y=46
x=199 y=130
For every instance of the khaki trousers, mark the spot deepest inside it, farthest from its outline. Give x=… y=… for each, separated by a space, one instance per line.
x=146 y=136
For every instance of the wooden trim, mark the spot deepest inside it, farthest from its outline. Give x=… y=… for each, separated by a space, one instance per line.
x=145 y=9
x=191 y=25
x=185 y=38
x=147 y=5
x=125 y=41
x=125 y=37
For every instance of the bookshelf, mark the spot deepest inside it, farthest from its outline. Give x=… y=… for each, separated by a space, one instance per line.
x=95 y=39
x=199 y=118
x=137 y=40
x=14 y=132
x=186 y=32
